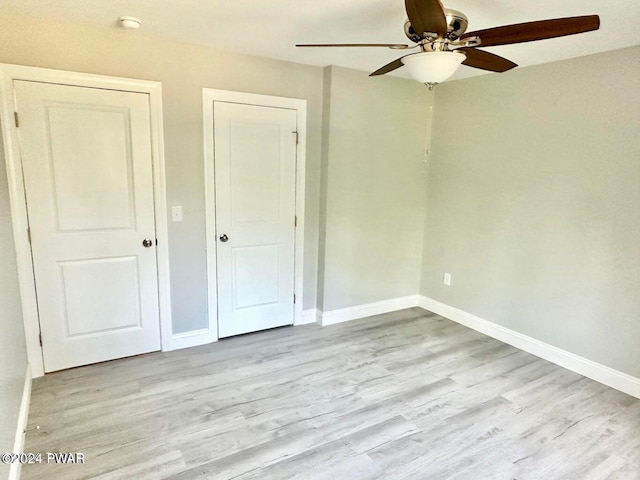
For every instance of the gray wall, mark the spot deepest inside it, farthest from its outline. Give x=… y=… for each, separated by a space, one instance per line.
x=534 y=203
x=373 y=188
x=183 y=70
x=13 y=353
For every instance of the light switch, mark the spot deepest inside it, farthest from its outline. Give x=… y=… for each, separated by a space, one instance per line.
x=446 y=279
x=176 y=213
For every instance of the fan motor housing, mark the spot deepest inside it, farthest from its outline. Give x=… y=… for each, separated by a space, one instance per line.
x=457 y=24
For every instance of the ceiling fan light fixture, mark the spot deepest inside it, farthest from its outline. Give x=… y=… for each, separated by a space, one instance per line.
x=433 y=67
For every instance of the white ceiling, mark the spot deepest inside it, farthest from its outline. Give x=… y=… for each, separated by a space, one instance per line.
x=272 y=28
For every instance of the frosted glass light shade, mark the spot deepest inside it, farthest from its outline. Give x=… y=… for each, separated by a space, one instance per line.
x=433 y=67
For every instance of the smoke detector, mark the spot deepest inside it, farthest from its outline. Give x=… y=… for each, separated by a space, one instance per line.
x=131 y=23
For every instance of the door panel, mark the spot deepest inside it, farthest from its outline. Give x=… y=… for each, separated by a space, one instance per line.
x=256 y=275
x=255 y=185
x=90 y=161
x=255 y=165
x=87 y=165
x=89 y=288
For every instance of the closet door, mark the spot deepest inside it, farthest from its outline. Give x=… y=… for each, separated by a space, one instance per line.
x=86 y=155
x=255 y=177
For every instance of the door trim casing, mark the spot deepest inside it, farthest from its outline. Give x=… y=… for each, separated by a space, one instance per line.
x=26 y=279
x=210 y=95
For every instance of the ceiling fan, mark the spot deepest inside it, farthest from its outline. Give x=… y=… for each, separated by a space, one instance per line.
x=440 y=33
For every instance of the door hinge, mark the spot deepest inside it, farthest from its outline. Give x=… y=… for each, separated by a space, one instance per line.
x=295 y=221
x=15 y=116
x=294 y=298
x=29 y=234
x=297 y=137
x=156 y=242
x=40 y=338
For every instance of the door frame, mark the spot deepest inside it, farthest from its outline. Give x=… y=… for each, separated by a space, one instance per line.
x=210 y=95
x=17 y=198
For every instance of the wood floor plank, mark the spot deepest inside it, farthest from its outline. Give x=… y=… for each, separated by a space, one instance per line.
x=406 y=395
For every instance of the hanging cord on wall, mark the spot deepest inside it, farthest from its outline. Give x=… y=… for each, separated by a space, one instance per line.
x=429 y=124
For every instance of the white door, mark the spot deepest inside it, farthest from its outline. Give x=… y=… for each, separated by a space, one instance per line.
x=86 y=156
x=255 y=173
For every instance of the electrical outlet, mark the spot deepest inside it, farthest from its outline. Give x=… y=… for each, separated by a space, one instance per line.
x=446 y=279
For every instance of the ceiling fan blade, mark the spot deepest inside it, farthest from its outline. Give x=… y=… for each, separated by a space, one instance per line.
x=426 y=16
x=393 y=46
x=531 y=31
x=389 y=67
x=486 y=61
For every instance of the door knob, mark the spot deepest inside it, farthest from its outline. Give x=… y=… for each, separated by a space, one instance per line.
x=147 y=243
x=224 y=238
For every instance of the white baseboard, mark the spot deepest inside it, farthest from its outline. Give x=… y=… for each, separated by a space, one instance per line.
x=367 y=310
x=593 y=370
x=192 y=339
x=308 y=316
x=23 y=418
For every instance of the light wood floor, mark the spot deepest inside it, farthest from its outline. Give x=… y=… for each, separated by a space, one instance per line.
x=404 y=395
